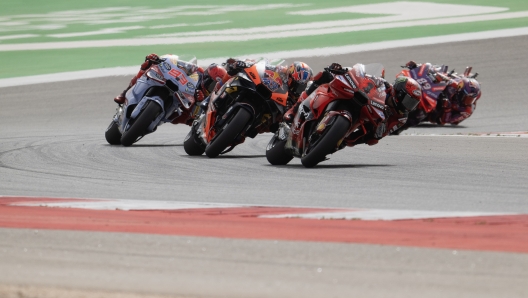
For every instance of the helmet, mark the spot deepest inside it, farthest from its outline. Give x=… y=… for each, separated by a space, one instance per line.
x=299 y=74
x=468 y=91
x=213 y=74
x=406 y=95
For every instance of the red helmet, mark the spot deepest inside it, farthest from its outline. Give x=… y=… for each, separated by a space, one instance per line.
x=468 y=91
x=406 y=95
x=299 y=74
x=212 y=75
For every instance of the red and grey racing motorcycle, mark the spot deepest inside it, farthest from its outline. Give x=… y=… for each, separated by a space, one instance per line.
x=164 y=92
x=333 y=116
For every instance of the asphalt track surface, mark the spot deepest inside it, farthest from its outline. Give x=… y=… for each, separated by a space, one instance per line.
x=52 y=144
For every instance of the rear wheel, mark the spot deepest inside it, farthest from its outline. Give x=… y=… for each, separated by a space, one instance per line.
x=191 y=145
x=140 y=125
x=327 y=143
x=226 y=137
x=112 y=134
x=275 y=152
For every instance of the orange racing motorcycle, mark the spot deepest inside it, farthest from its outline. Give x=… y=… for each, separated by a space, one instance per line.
x=333 y=116
x=251 y=102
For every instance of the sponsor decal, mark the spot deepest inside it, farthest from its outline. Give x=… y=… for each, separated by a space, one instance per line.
x=178 y=75
x=190 y=86
x=350 y=81
x=154 y=73
x=175 y=73
x=377 y=105
x=402 y=120
x=252 y=75
x=182 y=80
x=417 y=92
x=348 y=90
x=166 y=66
x=272 y=80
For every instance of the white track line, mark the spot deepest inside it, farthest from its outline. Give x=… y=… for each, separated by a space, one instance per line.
x=318 y=52
x=127 y=205
x=332 y=213
x=379 y=214
x=521 y=134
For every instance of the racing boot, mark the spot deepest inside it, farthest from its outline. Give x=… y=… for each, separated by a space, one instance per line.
x=120 y=99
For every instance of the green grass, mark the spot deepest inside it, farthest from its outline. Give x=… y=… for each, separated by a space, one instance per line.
x=50 y=61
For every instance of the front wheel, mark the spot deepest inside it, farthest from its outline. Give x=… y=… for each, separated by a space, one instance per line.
x=112 y=134
x=327 y=144
x=141 y=124
x=226 y=136
x=191 y=145
x=275 y=152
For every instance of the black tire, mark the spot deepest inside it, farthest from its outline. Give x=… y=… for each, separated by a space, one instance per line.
x=112 y=134
x=191 y=145
x=327 y=143
x=275 y=152
x=228 y=134
x=139 y=127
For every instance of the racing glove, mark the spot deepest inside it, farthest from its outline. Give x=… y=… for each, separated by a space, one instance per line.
x=411 y=65
x=234 y=66
x=198 y=95
x=149 y=60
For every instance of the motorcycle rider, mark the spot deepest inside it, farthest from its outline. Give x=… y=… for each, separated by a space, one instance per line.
x=401 y=98
x=296 y=75
x=458 y=100
x=213 y=73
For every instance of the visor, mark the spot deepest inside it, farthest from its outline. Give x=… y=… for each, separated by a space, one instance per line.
x=409 y=103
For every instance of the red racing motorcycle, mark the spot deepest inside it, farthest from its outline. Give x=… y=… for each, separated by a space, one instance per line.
x=333 y=116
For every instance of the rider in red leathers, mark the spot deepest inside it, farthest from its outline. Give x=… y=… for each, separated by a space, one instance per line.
x=401 y=98
x=213 y=73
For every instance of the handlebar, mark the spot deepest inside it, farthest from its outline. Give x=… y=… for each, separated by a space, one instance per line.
x=336 y=71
